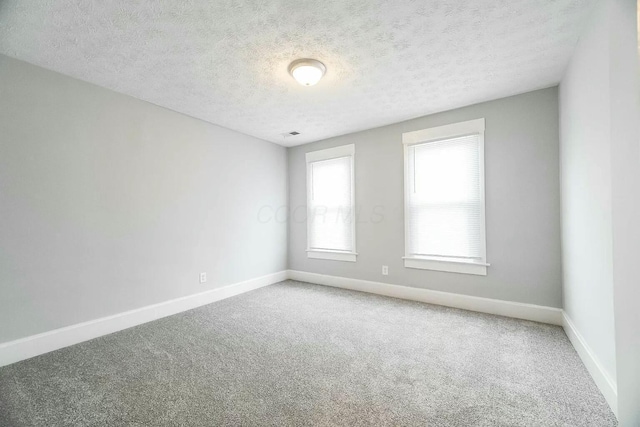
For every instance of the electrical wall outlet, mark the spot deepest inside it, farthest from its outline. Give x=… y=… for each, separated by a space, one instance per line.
x=385 y=270
x=203 y=277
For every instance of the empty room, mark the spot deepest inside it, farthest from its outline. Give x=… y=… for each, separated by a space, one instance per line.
x=319 y=213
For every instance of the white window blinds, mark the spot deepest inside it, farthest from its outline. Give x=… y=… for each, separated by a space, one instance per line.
x=330 y=200
x=445 y=197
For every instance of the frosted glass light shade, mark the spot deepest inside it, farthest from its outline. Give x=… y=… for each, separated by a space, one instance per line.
x=307 y=72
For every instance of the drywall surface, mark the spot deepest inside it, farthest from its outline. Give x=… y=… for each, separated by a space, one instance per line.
x=600 y=151
x=522 y=203
x=625 y=178
x=108 y=203
x=585 y=154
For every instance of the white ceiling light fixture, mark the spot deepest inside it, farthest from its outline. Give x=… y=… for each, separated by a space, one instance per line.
x=307 y=71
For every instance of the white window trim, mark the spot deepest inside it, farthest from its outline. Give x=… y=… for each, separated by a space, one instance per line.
x=454 y=130
x=332 y=255
x=328 y=154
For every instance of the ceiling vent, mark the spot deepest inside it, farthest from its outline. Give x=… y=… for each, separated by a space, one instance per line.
x=288 y=134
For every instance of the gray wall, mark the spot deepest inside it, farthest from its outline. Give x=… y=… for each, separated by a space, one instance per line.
x=586 y=192
x=108 y=203
x=625 y=161
x=522 y=203
x=600 y=151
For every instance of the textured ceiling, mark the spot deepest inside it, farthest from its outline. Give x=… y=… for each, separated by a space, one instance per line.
x=226 y=61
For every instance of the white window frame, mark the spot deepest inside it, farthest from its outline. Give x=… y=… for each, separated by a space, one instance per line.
x=328 y=154
x=471 y=127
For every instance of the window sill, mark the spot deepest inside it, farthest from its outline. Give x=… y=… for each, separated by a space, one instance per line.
x=452 y=266
x=332 y=255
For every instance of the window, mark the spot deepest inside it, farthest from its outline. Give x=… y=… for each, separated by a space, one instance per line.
x=330 y=204
x=444 y=198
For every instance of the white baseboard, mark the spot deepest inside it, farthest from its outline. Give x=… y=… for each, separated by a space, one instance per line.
x=603 y=380
x=518 y=310
x=25 y=348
